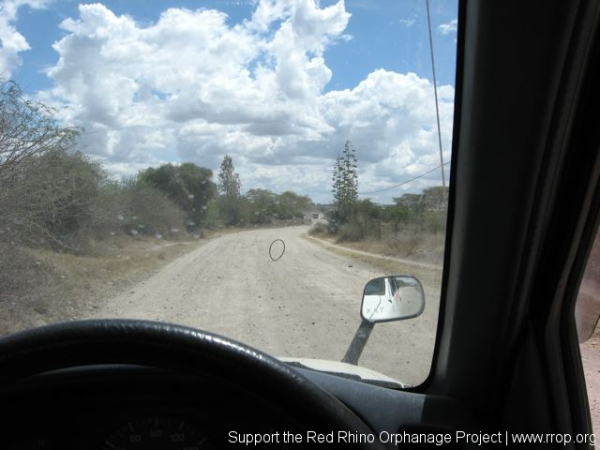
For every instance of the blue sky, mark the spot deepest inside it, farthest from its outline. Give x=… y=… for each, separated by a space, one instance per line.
x=301 y=79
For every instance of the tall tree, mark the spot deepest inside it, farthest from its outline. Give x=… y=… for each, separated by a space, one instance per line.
x=230 y=201
x=345 y=183
x=229 y=181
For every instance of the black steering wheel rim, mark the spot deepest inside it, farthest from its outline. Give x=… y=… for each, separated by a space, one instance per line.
x=175 y=347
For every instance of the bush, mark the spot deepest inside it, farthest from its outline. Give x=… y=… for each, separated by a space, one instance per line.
x=351 y=232
x=188 y=186
x=48 y=199
x=319 y=229
x=135 y=209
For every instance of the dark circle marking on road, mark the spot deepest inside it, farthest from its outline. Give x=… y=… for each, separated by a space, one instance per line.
x=271 y=250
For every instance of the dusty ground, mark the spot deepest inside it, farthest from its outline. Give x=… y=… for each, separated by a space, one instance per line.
x=306 y=304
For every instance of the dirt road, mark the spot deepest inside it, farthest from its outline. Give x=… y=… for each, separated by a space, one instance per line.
x=307 y=304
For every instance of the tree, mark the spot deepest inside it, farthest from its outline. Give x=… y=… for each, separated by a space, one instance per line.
x=426 y=210
x=230 y=202
x=435 y=198
x=261 y=206
x=229 y=181
x=27 y=130
x=345 y=184
x=46 y=189
x=188 y=186
x=290 y=205
x=412 y=202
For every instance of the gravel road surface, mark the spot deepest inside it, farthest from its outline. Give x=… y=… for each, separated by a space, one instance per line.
x=307 y=304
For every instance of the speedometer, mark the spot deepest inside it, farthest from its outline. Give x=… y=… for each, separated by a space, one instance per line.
x=157 y=433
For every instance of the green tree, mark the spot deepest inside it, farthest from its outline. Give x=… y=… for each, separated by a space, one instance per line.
x=261 y=206
x=425 y=211
x=290 y=205
x=435 y=198
x=345 y=184
x=187 y=185
x=229 y=185
x=229 y=181
x=410 y=201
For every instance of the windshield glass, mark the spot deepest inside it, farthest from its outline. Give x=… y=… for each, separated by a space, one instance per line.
x=243 y=167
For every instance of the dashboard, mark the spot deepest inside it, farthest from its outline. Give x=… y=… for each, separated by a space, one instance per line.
x=121 y=407
x=126 y=407
x=138 y=385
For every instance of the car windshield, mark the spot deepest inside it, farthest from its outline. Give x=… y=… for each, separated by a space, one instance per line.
x=243 y=167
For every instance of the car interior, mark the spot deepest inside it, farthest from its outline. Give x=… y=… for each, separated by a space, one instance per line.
x=523 y=214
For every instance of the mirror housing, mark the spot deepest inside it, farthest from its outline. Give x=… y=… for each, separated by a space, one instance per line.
x=397 y=297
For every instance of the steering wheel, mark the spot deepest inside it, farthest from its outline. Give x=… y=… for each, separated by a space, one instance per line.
x=178 y=348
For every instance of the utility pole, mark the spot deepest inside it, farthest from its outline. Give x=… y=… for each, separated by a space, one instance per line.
x=437 y=109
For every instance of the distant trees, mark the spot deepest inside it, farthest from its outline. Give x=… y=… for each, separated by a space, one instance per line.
x=260 y=206
x=263 y=206
x=433 y=198
x=290 y=205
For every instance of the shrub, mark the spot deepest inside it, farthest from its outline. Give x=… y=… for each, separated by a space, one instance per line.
x=135 y=209
x=351 y=232
x=47 y=199
x=318 y=229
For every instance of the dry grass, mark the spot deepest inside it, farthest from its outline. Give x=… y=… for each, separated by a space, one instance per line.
x=416 y=246
x=66 y=286
x=427 y=276
x=427 y=248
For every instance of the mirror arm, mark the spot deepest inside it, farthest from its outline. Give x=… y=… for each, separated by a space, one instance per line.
x=358 y=342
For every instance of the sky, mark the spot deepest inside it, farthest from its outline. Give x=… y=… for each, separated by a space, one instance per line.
x=279 y=85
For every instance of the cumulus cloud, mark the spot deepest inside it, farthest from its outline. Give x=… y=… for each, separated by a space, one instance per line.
x=192 y=87
x=450 y=27
x=11 y=41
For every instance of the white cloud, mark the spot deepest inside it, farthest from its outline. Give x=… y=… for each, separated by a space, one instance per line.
x=390 y=119
x=11 y=41
x=447 y=28
x=192 y=87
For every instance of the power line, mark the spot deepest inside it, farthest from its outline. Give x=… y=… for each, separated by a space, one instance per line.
x=404 y=182
x=437 y=108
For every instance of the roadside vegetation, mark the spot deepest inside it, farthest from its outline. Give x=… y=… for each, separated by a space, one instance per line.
x=412 y=227
x=70 y=235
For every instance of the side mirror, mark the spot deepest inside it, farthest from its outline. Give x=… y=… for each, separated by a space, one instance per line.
x=398 y=297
